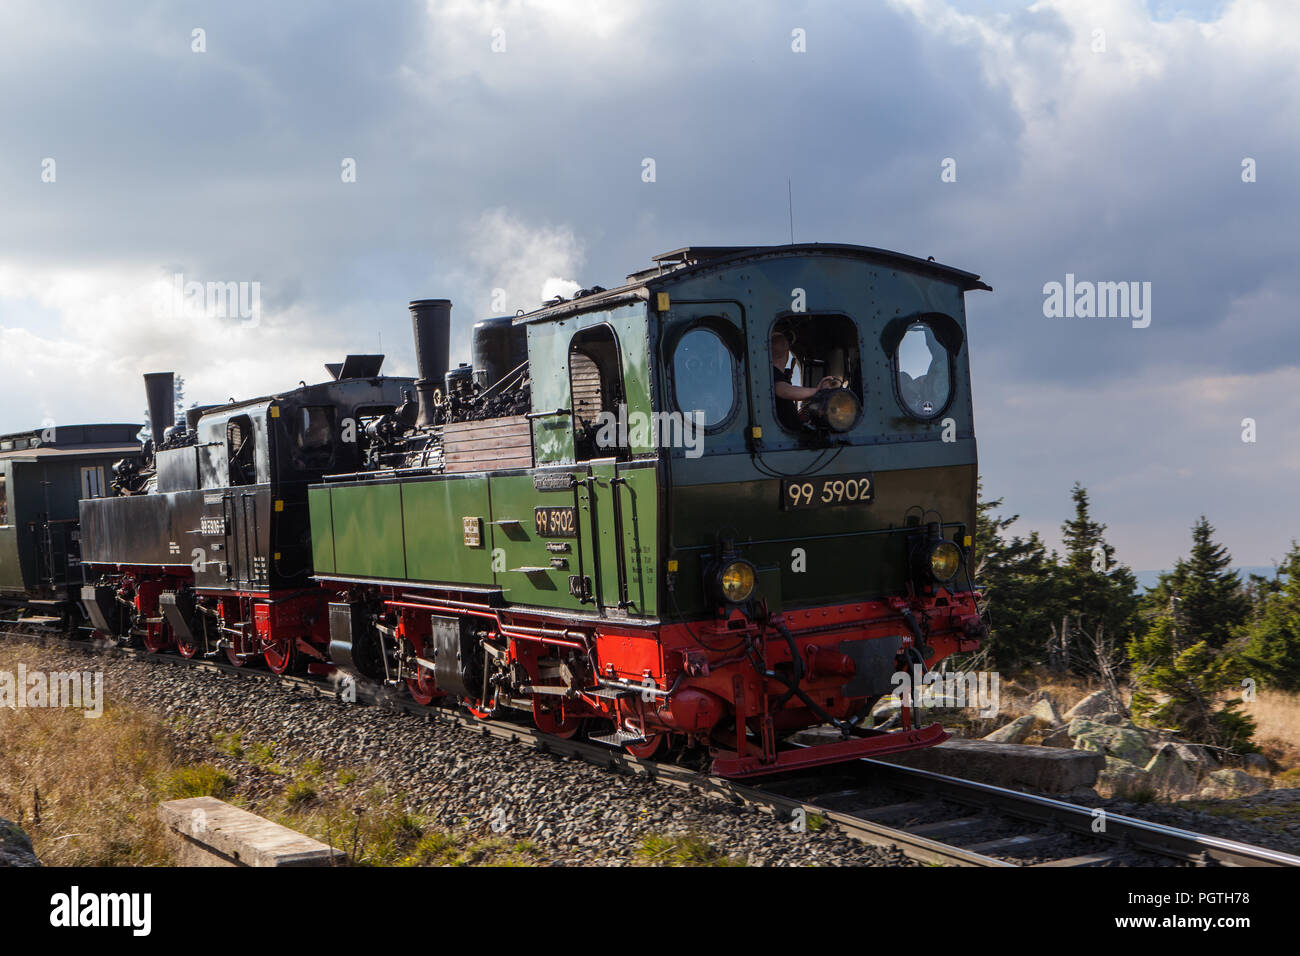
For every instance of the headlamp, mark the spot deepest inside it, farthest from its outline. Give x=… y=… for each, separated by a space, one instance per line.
x=735 y=581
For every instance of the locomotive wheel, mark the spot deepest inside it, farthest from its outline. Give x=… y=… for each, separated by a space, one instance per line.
x=234 y=658
x=281 y=656
x=157 y=641
x=477 y=708
x=186 y=649
x=551 y=717
x=648 y=748
x=422 y=688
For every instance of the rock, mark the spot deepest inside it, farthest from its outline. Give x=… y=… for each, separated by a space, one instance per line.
x=1014 y=732
x=1169 y=772
x=1045 y=710
x=1060 y=737
x=1198 y=757
x=1112 y=718
x=15 y=846
x=1095 y=703
x=1122 y=742
x=1122 y=778
x=1046 y=769
x=1227 y=784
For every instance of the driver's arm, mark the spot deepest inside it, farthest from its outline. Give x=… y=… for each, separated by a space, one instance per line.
x=798 y=393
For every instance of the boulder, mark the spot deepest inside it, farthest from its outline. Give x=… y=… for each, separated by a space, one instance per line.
x=1170 y=772
x=1014 y=732
x=1227 y=784
x=1046 y=769
x=1121 y=777
x=1198 y=757
x=1125 y=743
x=1095 y=703
x=1112 y=718
x=1045 y=710
x=15 y=846
x=1060 y=737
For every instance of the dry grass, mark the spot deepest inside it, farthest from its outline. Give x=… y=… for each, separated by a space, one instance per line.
x=1277 y=727
x=86 y=790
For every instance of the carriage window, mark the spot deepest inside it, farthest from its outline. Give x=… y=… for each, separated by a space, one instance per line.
x=704 y=376
x=239 y=451
x=922 y=366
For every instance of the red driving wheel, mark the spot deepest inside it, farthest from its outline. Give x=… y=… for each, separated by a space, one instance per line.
x=423 y=689
x=280 y=655
x=552 y=717
x=648 y=747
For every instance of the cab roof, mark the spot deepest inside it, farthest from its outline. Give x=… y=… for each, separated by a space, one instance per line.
x=690 y=260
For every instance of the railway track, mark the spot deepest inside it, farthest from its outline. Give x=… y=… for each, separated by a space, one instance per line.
x=930 y=817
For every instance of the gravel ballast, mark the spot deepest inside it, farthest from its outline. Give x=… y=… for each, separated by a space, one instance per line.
x=573 y=812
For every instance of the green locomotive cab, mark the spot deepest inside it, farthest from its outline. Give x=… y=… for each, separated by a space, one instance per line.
x=730 y=500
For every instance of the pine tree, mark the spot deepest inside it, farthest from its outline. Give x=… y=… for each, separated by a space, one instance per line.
x=1191 y=656
x=1017 y=577
x=1097 y=590
x=1181 y=687
x=1211 y=600
x=1273 y=636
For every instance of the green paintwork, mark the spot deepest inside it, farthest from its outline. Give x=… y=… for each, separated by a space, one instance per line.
x=358 y=528
x=548 y=351
x=367 y=526
x=322 y=544
x=514 y=533
x=433 y=510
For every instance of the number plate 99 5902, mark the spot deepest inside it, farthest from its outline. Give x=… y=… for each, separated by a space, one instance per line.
x=798 y=494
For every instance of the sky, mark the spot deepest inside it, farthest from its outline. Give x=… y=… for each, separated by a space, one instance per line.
x=349 y=157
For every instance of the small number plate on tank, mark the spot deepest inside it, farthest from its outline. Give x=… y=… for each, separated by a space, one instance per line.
x=800 y=494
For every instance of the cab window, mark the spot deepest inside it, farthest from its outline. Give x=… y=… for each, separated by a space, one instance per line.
x=240 y=445
x=704 y=376
x=922 y=368
x=810 y=352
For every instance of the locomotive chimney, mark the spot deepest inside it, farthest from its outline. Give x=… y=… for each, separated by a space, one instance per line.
x=431 y=320
x=160 y=393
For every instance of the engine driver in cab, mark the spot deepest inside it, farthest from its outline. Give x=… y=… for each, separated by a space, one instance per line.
x=788 y=393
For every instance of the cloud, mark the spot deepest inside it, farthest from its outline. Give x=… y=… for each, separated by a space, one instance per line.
x=519 y=169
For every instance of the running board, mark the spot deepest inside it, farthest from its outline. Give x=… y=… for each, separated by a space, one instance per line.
x=618 y=738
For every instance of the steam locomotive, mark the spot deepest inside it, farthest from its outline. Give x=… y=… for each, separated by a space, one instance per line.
x=725 y=502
